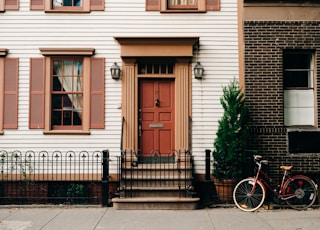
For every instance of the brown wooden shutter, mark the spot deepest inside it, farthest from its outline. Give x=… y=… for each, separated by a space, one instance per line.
x=11 y=4
x=37 y=4
x=97 y=93
x=10 y=118
x=97 y=4
x=153 y=5
x=37 y=84
x=213 y=4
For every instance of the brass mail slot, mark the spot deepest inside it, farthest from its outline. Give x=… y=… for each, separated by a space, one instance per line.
x=156 y=126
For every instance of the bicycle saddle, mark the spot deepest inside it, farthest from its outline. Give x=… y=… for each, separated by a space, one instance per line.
x=286 y=168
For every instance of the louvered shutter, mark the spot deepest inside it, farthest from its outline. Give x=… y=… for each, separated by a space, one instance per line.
x=37 y=85
x=97 y=96
x=152 y=5
x=97 y=4
x=11 y=4
x=213 y=4
x=10 y=118
x=37 y=4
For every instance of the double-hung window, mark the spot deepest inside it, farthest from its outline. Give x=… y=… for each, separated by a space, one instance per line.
x=74 y=6
x=182 y=6
x=67 y=4
x=299 y=94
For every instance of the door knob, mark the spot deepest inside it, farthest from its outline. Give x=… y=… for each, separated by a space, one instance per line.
x=157 y=102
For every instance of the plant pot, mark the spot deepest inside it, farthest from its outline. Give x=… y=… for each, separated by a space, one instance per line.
x=224 y=189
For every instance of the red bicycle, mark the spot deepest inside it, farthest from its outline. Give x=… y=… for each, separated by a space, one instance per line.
x=299 y=191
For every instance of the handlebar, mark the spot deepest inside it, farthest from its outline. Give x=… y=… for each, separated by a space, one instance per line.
x=257 y=159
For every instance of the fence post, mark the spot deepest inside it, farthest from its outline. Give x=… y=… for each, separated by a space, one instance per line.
x=207 y=183
x=105 y=178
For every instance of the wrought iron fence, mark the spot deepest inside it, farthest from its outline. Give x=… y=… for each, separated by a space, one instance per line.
x=51 y=178
x=157 y=171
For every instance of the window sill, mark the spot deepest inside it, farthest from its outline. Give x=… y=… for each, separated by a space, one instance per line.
x=68 y=11
x=66 y=132
x=182 y=11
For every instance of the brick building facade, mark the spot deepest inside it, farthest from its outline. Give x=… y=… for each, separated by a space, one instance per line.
x=275 y=134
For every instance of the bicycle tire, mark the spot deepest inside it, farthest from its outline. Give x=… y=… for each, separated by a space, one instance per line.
x=244 y=199
x=304 y=189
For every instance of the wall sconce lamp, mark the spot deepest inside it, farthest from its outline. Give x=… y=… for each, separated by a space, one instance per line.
x=198 y=71
x=115 y=71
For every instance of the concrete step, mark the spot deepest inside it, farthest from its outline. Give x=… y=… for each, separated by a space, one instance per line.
x=155 y=203
x=155 y=183
x=156 y=192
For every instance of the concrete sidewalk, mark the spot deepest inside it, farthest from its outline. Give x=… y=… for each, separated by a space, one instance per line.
x=87 y=218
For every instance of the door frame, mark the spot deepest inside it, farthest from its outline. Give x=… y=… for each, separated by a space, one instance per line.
x=178 y=49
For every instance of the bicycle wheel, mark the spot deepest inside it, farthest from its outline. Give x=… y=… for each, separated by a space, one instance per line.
x=247 y=199
x=304 y=190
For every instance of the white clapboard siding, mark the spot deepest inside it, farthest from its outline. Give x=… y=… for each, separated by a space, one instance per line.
x=23 y=32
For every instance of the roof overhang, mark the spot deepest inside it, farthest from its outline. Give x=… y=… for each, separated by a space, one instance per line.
x=157 y=46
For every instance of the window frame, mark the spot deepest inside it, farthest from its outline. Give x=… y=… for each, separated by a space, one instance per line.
x=297 y=91
x=164 y=8
x=50 y=54
x=49 y=8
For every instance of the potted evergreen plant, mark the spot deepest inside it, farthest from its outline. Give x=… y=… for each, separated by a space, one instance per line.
x=231 y=139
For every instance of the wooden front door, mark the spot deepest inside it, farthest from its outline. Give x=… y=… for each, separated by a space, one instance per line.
x=156 y=116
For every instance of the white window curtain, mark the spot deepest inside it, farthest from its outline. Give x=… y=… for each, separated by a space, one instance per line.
x=70 y=77
x=183 y=2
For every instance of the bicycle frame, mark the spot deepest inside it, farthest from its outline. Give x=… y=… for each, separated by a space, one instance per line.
x=271 y=185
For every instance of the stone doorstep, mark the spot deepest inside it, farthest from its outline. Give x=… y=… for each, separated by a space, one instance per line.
x=156 y=192
x=154 y=203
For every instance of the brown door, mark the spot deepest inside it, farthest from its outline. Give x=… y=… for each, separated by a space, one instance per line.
x=156 y=116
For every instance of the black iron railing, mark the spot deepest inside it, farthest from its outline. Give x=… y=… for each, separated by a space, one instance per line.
x=51 y=178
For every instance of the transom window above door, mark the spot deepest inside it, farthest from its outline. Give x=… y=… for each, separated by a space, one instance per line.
x=158 y=68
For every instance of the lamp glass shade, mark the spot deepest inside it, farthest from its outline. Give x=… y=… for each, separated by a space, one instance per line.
x=198 y=71
x=115 y=71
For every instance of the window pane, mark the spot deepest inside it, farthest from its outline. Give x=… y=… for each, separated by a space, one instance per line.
x=56 y=118
x=56 y=102
x=296 y=79
x=56 y=84
x=77 y=2
x=57 y=2
x=156 y=68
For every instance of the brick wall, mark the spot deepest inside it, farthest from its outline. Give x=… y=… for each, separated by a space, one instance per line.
x=264 y=45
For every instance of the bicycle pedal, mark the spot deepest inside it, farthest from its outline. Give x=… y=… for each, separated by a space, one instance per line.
x=244 y=206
